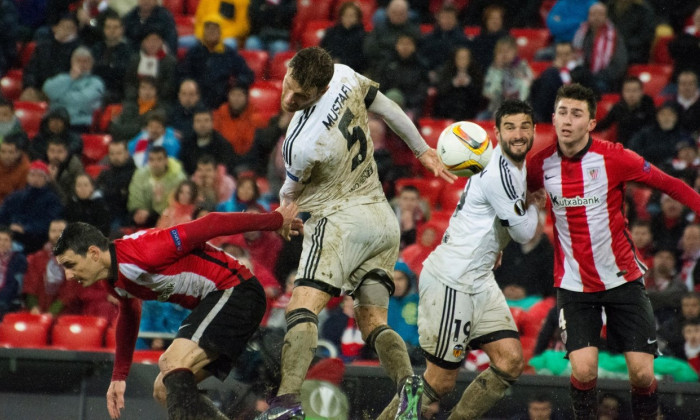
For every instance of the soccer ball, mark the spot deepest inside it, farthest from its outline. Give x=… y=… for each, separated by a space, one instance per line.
x=464 y=148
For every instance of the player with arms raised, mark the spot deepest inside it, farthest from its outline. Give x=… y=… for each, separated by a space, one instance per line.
x=351 y=241
x=596 y=265
x=461 y=305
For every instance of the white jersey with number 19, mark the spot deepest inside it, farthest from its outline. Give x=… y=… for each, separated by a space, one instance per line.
x=329 y=150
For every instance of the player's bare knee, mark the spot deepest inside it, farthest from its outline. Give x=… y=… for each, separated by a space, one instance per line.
x=512 y=366
x=585 y=373
x=159 y=391
x=641 y=378
x=443 y=384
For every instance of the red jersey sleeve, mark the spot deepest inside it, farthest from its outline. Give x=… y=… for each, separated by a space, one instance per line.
x=633 y=167
x=534 y=173
x=127 y=332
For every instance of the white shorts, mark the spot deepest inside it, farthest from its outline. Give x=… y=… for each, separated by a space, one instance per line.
x=340 y=249
x=450 y=321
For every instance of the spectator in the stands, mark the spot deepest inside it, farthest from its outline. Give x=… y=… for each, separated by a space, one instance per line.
x=668 y=225
x=247 y=195
x=690 y=254
x=411 y=211
x=181 y=207
x=181 y=115
x=50 y=58
x=428 y=237
x=88 y=205
x=685 y=48
x=213 y=65
x=564 y=70
x=658 y=142
x=155 y=133
x=13 y=265
x=29 y=211
x=459 y=86
x=663 y=285
x=135 y=112
x=214 y=184
x=518 y=13
x=151 y=186
x=687 y=98
x=9 y=123
x=14 y=164
x=508 y=76
x=9 y=21
x=602 y=48
x=565 y=17
x=78 y=90
x=270 y=25
x=670 y=332
x=643 y=239
x=438 y=46
x=45 y=288
x=55 y=124
x=232 y=16
x=492 y=29
x=526 y=269
x=402 y=315
x=636 y=23
x=112 y=55
x=691 y=342
x=64 y=167
x=384 y=36
x=84 y=10
x=114 y=181
x=154 y=60
x=634 y=111
x=406 y=74
x=205 y=140
x=345 y=39
x=236 y=120
x=148 y=14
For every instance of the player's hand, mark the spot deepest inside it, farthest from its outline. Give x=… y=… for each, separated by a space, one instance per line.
x=499 y=260
x=430 y=160
x=292 y=225
x=115 y=398
x=538 y=198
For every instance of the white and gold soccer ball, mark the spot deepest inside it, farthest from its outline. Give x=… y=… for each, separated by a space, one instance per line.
x=465 y=148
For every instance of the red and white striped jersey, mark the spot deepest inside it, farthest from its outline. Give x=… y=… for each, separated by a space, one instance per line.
x=161 y=265
x=593 y=248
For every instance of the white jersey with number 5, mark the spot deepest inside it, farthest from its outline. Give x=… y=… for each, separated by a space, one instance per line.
x=493 y=200
x=328 y=148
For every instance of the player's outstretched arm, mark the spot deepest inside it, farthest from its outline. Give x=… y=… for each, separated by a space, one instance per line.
x=399 y=122
x=115 y=398
x=292 y=225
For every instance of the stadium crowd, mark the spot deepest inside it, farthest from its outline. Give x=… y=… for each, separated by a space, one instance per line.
x=130 y=114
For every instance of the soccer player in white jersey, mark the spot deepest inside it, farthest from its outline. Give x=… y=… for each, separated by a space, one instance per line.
x=351 y=241
x=596 y=265
x=460 y=303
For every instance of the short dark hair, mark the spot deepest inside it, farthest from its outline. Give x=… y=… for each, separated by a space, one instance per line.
x=577 y=92
x=201 y=109
x=157 y=115
x=149 y=80
x=6 y=230
x=512 y=107
x=158 y=149
x=632 y=79
x=19 y=139
x=206 y=159
x=541 y=398
x=410 y=188
x=350 y=5
x=641 y=223
x=6 y=102
x=78 y=237
x=57 y=140
x=312 y=68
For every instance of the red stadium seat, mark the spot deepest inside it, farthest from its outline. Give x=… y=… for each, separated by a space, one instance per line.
x=79 y=332
x=147 y=357
x=430 y=129
x=184 y=24
x=441 y=216
x=257 y=60
x=429 y=103
x=530 y=40
x=654 y=77
x=426 y=28
x=23 y=334
x=30 y=115
x=472 y=31
x=605 y=104
x=451 y=193
x=538 y=67
x=308 y=10
x=11 y=84
x=314 y=31
x=429 y=189
x=25 y=53
x=110 y=113
x=176 y=7
x=278 y=64
x=95 y=170
x=95 y=147
x=265 y=97
x=191 y=6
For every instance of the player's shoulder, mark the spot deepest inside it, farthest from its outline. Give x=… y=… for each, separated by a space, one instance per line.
x=605 y=147
x=536 y=158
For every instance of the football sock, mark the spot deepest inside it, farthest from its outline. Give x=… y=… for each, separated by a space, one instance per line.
x=645 y=402
x=184 y=400
x=298 y=350
x=429 y=397
x=583 y=399
x=393 y=356
x=484 y=391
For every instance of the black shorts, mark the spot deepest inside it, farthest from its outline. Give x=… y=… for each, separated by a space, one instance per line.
x=224 y=321
x=630 y=320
